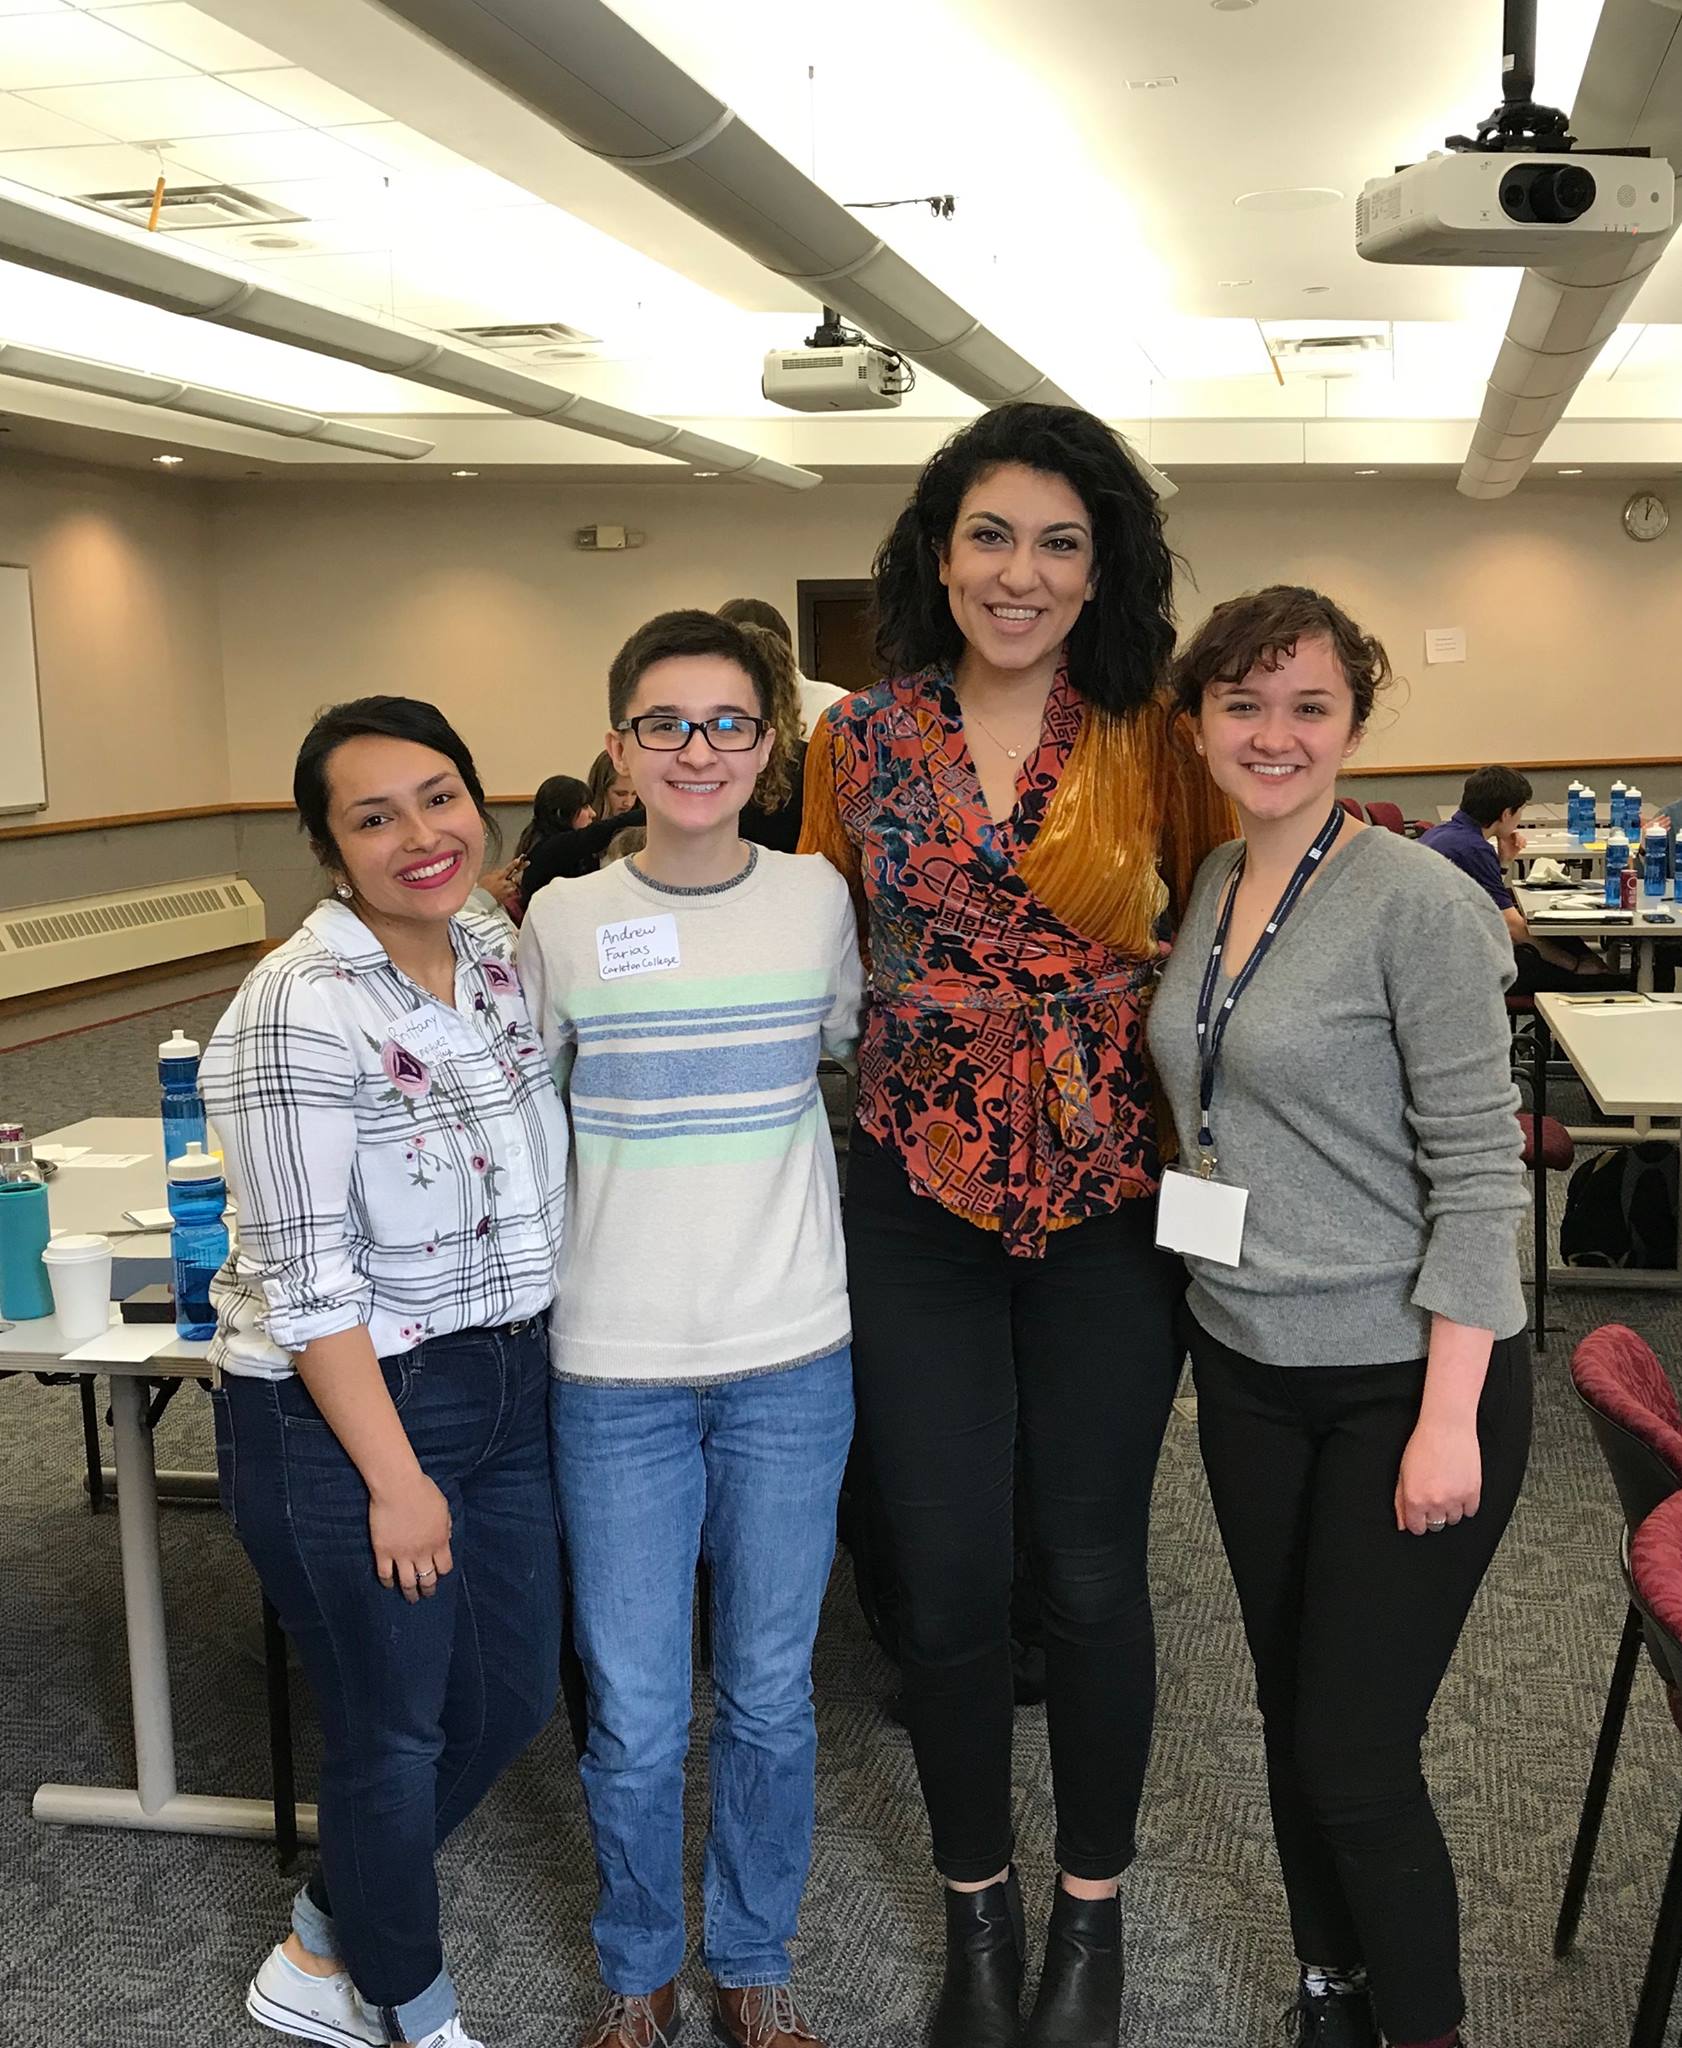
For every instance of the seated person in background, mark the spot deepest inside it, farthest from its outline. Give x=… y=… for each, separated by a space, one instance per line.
x=623 y=845
x=610 y=791
x=815 y=697
x=1489 y=811
x=561 y=803
x=772 y=815
x=579 y=820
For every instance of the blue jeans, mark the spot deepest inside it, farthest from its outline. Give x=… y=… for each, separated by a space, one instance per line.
x=746 y=1474
x=422 y=1706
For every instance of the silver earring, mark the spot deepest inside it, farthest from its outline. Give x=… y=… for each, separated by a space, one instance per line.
x=1199 y=745
x=343 y=891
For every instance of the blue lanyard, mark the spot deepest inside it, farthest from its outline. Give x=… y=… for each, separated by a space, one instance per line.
x=1211 y=1030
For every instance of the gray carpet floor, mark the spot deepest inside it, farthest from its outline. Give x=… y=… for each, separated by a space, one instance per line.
x=119 y=1940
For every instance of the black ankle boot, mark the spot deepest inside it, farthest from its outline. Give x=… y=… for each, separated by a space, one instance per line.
x=1079 y=2002
x=1335 y=2019
x=982 y=1987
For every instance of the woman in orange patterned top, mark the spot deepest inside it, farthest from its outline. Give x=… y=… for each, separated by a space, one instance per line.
x=1017 y=811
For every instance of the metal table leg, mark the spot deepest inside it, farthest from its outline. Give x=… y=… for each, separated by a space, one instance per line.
x=153 y=1802
x=1539 y=1040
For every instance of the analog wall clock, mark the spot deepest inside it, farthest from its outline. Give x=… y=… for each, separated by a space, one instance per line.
x=1646 y=516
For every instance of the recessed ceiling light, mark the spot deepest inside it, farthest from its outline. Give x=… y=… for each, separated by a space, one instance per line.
x=1570 y=472
x=1231 y=6
x=1312 y=290
x=464 y=472
x=169 y=461
x=1235 y=284
x=1288 y=198
x=708 y=472
x=1366 y=472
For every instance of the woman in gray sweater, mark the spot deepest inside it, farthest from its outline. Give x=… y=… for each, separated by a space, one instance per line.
x=1332 y=1038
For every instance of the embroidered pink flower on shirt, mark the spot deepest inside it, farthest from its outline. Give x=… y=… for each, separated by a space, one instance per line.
x=408 y=1075
x=501 y=977
x=479 y=1162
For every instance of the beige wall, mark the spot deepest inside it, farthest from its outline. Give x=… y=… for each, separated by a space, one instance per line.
x=123 y=578
x=1574 y=632
x=475 y=595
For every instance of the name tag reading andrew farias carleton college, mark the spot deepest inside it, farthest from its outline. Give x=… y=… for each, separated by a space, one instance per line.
x=637 y=945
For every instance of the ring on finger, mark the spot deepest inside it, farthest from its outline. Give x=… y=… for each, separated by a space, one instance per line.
x=1435 y=1528
x=432 y=1573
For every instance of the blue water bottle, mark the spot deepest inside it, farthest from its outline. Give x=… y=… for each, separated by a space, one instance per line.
x=1632 y=814
x=1574 y=808
x=198 y=1244
x=1615 y=816
x=183 y=1105
x=1653 y=849
x=1617 y=859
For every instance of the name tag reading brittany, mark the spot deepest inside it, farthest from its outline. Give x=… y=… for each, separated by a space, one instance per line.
x=637 y=945
x=425 y=1033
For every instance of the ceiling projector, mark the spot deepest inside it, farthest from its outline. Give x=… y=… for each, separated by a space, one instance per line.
x=1469 y=206
x=854 y=377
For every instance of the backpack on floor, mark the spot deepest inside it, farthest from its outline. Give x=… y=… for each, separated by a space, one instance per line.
x=1620 y=1209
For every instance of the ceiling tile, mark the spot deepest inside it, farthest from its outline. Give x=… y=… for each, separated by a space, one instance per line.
x=401 y=148
x=74 y=49
x=26 y=126
x=165 y=108
x=70 y=173
x=304 y=96
x=194 y=37
x=8 y=7
x=285 y=154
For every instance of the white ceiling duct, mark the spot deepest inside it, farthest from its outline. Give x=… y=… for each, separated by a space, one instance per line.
x=139 y=387
x=75 y=242
x=1631 y=94
x=612 y=92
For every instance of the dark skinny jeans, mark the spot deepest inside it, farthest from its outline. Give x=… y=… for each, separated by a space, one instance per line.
x=422 y=1706
x=1352 y=1624
x=954 y=1345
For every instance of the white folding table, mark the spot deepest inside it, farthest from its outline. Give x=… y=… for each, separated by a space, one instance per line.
x=94 y=1198
x=1591 y=921
x=1628 y=1055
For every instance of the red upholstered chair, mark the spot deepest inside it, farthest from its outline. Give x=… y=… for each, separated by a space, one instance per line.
x=1387 y=815
x=1637 y=1421
x=1349 y=804
x=1558 y=1154
x=1655 y=1570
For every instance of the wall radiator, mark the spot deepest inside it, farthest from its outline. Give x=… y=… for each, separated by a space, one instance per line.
x=53 y=945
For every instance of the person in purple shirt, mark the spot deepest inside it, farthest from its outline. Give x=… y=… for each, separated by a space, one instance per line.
x=1480 y=835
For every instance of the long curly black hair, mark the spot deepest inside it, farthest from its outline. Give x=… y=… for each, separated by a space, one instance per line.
x=1119 y=649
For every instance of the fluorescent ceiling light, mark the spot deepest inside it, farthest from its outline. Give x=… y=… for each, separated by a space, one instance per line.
x=72 y=242
x=112 y=380
x=169 y=461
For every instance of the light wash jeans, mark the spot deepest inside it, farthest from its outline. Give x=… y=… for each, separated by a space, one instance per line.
x=746 y=1474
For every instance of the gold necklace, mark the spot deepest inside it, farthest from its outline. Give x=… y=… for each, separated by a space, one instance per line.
x=1010 y=753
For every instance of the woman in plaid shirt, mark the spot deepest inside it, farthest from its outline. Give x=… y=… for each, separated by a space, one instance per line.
x=398 y=1153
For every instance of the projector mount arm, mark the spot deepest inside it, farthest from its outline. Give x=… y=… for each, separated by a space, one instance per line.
x=1519 y=123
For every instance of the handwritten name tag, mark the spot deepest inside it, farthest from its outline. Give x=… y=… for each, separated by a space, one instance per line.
x=637 y=945
x=425 y=1033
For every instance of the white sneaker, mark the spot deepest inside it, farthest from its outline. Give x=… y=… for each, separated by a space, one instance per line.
x=451 y=2037
x=315 y=2008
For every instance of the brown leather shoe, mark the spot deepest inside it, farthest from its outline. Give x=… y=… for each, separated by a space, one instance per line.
x=649 y=2022
x=760 y=2016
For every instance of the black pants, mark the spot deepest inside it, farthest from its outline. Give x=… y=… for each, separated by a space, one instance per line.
x=954 y=1342
x=1352 y=1624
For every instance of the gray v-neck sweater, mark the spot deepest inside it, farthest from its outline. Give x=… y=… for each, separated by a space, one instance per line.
x=1364 y=1098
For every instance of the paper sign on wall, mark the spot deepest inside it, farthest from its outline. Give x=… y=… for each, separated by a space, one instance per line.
x=1445 y=643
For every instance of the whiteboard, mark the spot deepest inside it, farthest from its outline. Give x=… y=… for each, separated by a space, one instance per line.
x=23 y=773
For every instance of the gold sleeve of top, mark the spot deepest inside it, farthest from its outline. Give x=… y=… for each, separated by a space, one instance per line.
x=1134 y=814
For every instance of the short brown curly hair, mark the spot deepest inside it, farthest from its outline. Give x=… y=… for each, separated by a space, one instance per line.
x=1262 y=628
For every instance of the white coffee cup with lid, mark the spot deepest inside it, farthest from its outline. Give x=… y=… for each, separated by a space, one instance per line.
x=78 y=1264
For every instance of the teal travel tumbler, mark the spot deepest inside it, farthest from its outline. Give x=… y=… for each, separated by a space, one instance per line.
x=25 y=1290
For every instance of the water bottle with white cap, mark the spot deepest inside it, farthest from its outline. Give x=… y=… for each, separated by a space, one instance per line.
x=198 y=1245
x=1574 y=807
x=1615 y=817
x=1617 y=859
x=183 y=1105
x=1653 y=849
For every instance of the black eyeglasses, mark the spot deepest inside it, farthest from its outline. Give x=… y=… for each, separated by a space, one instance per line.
x=732 y=733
